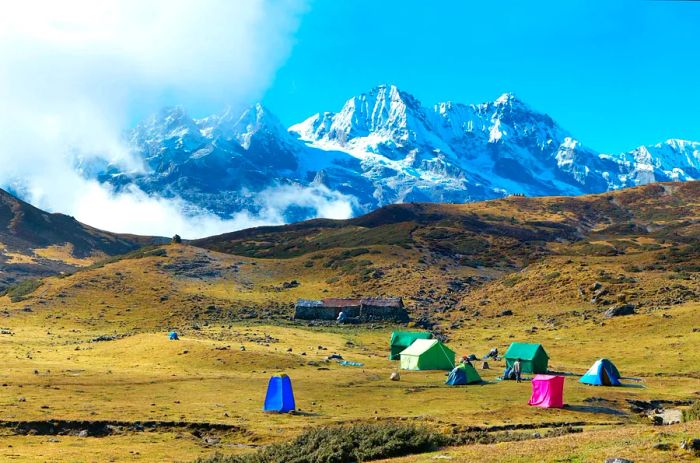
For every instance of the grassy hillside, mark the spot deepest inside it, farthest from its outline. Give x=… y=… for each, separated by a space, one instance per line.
x=34 y=243
x=92 y=345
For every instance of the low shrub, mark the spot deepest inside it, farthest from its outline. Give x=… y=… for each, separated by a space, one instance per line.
x=19 y=291
x=344 y=444
x=511 y=281
x=693 y=412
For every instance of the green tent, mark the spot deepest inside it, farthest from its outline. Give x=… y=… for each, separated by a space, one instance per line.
x=402 y=339
x=427 y=354
x=533 y=358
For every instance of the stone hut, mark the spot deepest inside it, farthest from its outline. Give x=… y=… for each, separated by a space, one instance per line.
x=361 y=310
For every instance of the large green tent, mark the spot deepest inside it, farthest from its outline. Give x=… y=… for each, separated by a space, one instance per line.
x=427 y=354
x=400 y=340
x=533 y=358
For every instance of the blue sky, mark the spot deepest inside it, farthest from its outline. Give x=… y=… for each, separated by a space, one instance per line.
x=617 y=74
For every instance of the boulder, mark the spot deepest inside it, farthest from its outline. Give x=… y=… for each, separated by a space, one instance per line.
x=395 y=376
x=618 y=460
x=620 y=310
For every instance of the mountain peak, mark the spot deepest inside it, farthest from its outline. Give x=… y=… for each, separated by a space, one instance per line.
x=505 y=98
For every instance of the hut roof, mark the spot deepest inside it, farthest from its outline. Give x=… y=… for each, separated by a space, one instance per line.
x=383 y=301
x=340 y=302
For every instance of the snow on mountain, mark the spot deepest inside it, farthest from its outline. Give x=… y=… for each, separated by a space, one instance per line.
x=383 y=147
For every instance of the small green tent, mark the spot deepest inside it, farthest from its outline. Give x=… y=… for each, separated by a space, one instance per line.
x=400 y=340
x=533 y=358
x=427 y=354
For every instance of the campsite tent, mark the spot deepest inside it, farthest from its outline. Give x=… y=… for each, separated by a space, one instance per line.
x=547 y=391
x=602 y=373
x=173 y=336
x=402 y=339
x=463 y=374
x=427 y=354
x=280 y=397
x=533 y=358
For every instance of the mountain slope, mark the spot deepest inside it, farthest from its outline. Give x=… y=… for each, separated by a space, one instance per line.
x=37 y=243
x=641 y=244
x=383 y=147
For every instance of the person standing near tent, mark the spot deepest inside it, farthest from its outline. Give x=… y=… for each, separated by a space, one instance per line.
x=516 y=369
x=465 y=361
x=341 y=317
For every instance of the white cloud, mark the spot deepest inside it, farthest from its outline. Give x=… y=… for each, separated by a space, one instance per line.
x=164 y=217
x=71 y=73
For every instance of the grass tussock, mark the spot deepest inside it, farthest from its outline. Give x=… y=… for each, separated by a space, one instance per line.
x=344 y=444
x=693 y=412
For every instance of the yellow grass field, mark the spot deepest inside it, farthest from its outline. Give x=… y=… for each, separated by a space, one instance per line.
x=91 y=349
x=51 y=370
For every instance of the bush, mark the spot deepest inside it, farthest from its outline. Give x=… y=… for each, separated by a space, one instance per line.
x=362 y=442
x=511 y=281
x=692 y=413
x=19 y=292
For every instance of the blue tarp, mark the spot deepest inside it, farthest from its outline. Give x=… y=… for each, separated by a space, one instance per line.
x=602 y=373
x=280 y=397
x=173 y=336
x=347 y=363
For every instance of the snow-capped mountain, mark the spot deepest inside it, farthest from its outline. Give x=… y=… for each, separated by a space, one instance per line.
x=382 y=147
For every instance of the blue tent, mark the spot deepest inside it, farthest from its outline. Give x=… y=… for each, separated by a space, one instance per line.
x=173 y=336
x=463 y=374
x=280 y=397
x=602 y=373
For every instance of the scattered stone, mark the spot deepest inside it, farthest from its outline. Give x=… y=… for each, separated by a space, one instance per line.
x=83 y=433
x=620 y=310
x=506 y=313
x=664 y=446
x=485 y=366
x=618 y=460
x=212 y=440
x=395 y=376
x=691 y=444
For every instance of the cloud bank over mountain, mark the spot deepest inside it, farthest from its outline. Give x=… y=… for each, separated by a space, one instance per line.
x=70 y=72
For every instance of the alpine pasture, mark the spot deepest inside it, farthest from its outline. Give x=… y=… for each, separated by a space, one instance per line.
x=90 y=351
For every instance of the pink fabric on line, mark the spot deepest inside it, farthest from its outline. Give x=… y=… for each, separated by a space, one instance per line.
x=547 y=391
